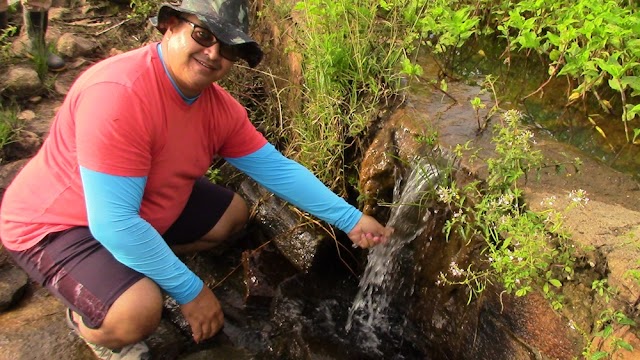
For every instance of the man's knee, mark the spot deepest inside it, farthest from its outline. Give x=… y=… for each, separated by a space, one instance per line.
x=240 y=214
x=232 y=221
x=133 y=316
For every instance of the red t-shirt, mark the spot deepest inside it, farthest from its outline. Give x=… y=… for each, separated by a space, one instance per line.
x=124 y=117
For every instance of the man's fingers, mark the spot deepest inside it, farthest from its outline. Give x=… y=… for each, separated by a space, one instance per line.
x=197 y=335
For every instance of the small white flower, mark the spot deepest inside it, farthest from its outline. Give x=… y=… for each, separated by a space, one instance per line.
x=579 y=196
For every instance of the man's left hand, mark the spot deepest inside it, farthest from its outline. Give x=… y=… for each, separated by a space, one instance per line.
x=369 y=232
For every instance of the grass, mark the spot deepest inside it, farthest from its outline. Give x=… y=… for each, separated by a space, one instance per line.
x=10 y=127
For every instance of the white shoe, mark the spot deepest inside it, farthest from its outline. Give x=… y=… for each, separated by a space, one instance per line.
x=137 y=351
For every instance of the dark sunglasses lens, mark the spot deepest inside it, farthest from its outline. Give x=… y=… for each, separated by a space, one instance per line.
x=203 y=37
x=231 y=53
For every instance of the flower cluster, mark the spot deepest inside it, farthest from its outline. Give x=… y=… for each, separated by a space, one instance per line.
x=447 y=195
x=579 y=196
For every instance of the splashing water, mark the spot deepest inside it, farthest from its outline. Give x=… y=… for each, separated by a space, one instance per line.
x=378 y=283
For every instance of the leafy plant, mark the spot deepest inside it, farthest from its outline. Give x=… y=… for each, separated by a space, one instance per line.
x=9 y=127
x=605 y=326
x=524 y=250
x=213 y=174
x=143 y=9
x=5 y=44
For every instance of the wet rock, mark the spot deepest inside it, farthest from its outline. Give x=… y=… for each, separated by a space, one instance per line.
x=394 y=146
x=22 y=82
x=264 y=270
x=299 y=243
x=377 y=174
x=171 y=311
x=13 y=282
x=166 y=343
x=288 y=339
x=72 y=46
x=221 y=352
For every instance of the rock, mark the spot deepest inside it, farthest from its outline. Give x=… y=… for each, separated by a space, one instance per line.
x=58 y=11
x=166 y=343
x=13 y=282
x=26 y=145
x=502 y=326
x=27 y=115
x=299 y=243
x=73 y=46
x=35 y=99
x=220 y=352
x=264 y=269
x=39 y=331
x=22 y=82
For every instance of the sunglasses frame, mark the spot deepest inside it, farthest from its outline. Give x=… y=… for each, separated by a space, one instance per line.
x=228 y=52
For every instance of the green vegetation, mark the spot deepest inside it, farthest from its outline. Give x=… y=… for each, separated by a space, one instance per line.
x=5 y=44
x=38 y=53
x=354 y=51
x=9 y=128
x=348 y=70
x=522 y=250
x=525 y=250
x=143 y=9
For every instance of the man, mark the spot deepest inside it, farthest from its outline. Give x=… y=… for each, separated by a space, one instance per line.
x=117 y=188
x=36 y=20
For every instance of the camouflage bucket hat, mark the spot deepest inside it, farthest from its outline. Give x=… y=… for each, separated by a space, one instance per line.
x=228 y=20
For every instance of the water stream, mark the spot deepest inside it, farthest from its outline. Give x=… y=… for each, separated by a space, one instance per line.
x=382 y=276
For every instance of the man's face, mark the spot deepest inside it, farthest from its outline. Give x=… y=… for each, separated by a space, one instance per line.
x=193 y=66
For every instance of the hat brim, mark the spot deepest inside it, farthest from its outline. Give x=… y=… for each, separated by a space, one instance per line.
x=224 y=32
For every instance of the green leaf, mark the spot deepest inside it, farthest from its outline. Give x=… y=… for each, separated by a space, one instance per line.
x=632 y=111
x=608 y=330
x=633 y=82
x=529 y=40
x=626 y=321
x=625 y=345
x=553 y=39
x=615 y=84
x=599 y=355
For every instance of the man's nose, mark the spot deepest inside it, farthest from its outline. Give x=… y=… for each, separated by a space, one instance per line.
x=213 y=51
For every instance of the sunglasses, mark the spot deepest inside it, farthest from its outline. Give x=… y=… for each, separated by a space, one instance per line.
x=205 y=38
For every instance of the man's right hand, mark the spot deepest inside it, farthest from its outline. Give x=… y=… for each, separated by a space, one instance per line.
x=204 y=315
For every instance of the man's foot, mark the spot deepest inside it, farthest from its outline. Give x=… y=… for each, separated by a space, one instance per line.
x=37 y=23
x=137 y=351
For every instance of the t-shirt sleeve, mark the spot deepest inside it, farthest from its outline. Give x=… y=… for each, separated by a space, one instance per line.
x=112 y=135
x=241 y=136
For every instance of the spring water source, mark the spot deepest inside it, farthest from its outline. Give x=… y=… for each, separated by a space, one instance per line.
x=381 y=279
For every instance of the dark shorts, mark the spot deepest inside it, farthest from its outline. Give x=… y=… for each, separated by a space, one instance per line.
x=78 y=270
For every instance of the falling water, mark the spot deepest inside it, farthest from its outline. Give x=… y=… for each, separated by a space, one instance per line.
x=368 y=311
